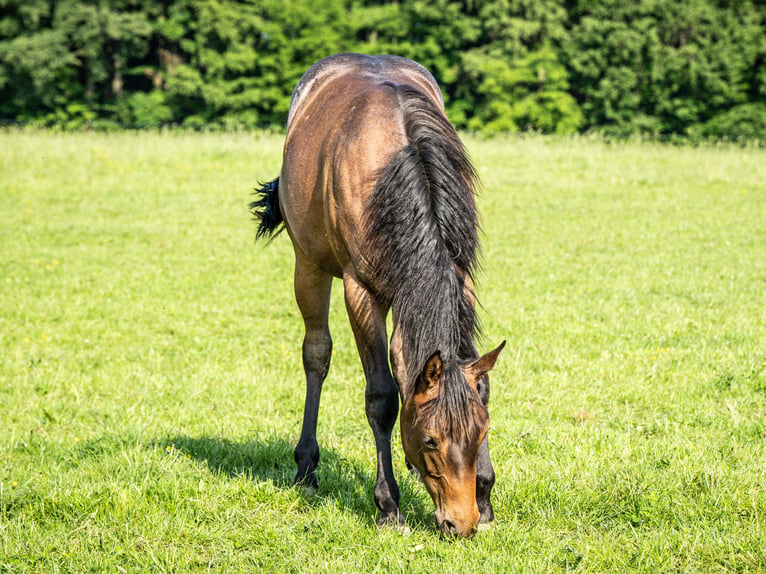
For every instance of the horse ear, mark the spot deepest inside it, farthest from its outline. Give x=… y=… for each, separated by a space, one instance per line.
x=430 y=378
x=481 y=366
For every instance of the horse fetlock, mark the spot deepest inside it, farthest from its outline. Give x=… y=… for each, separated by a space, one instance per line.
x=484 y=484
x=387 y=496
x=306 y=457
x=486 y=513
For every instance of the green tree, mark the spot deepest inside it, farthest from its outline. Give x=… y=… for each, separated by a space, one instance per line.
x=511 y=78
x=66 y=52
x=237 y=62
x=660 y=67
x=35 y=62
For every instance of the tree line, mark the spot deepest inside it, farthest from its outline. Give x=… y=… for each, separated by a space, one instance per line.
x=695 y=68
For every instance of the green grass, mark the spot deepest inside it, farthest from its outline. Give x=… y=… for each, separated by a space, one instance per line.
x=151 y=389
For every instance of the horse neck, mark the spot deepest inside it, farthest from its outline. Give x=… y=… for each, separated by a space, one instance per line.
x=433 y=314
x=423 y=226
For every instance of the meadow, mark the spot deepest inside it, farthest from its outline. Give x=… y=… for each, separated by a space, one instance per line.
x=151 y=387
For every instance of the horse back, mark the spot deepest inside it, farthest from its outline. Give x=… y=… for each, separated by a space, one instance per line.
x=358 y=68
x=344 y=126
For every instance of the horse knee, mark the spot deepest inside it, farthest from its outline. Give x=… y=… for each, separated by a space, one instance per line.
x=382 y=405
x=485 y=480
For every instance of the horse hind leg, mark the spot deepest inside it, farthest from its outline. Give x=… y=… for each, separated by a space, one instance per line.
x=312 y=293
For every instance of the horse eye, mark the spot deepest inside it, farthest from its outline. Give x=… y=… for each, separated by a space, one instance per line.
x=430 y=441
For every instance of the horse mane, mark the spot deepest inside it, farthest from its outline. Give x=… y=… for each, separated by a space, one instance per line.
x=452 y=410
x=423 y=232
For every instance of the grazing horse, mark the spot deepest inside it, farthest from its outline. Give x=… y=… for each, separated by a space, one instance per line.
x=376 y=189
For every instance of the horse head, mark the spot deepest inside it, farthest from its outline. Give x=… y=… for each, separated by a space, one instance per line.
x=443 y=423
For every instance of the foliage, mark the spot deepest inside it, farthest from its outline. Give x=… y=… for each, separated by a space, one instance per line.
x=526 y=93
x=655 y=67
x=148 y=110
x=661 y=66
x=744 y=122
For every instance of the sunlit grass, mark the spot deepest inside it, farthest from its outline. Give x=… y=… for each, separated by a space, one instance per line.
x=151 y=388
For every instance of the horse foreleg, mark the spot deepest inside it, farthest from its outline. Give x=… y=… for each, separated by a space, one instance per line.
x=312 y=292
x=485 y=480
x=485 y=474
x=367 y=318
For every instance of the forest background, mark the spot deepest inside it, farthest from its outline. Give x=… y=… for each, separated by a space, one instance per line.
x=660 y=68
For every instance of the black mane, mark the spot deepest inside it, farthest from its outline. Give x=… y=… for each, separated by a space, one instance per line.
x=424 y=236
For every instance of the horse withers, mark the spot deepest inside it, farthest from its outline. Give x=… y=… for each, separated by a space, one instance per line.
x=376 y=188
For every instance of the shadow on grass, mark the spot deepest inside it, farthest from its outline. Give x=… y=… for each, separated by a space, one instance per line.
x=341 y=479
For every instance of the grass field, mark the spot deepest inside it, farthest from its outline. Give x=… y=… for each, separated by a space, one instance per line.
x=151 y=389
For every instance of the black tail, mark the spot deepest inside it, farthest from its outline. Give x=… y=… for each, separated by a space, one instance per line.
x=265 y=209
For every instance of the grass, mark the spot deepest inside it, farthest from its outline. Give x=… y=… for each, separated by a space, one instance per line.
x=151 y=388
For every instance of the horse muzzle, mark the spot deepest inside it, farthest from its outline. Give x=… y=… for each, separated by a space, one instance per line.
x=453 y=526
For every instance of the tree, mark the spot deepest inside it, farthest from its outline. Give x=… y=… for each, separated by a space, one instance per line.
x=660 y=67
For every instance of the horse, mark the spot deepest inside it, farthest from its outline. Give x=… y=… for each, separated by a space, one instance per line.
x=376 y=188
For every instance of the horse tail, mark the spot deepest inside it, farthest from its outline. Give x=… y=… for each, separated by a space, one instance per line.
x=266 y=210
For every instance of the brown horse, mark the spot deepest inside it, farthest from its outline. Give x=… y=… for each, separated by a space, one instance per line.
x=376 y=189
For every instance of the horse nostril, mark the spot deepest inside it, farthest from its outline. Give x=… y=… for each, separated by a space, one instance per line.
x=448 y=527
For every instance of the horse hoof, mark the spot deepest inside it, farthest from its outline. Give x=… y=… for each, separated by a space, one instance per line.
x=485 y=526
x=396 y=522
x=307 y=483
x=308 y=490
